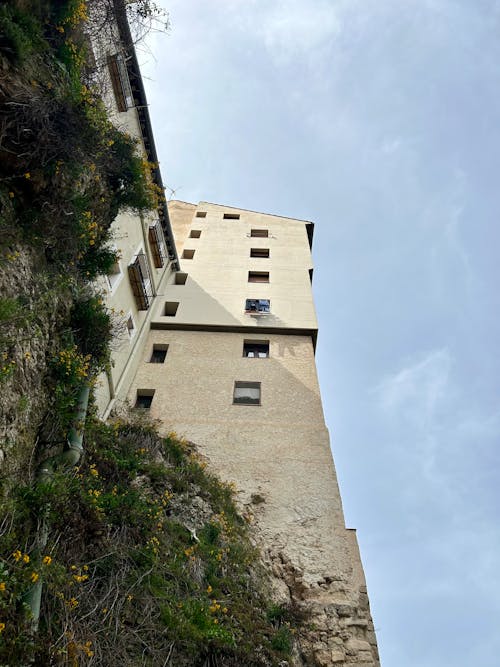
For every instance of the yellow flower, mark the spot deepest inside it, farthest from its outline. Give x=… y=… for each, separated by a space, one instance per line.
x=27 y=175
x=11 y=195
x=26 y=558
x=34 y=577
x=209 y=589
x=2 y=586
x=47 y=560
x=2 y=627
x=17 y=555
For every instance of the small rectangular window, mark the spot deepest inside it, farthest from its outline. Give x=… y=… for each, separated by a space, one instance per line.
x=158 y=354
x=120 y=82
x=171 y=308
x=256 y=349
x=231 y=216
x=157 y=245
x=258 y=276
x=246 y=393
x=140 y=281
x=260 y=233
x=180 y=278
x=130 y=324
x=187 y=254
x=257 y=306
x=259 y=252
x=144 y=398
x=114 y=275
x=201 y=214
x=195 y=234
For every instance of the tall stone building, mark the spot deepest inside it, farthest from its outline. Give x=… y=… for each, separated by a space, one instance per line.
x=217 y=343
x=229 y=364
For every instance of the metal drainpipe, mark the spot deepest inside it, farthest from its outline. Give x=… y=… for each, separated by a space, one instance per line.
x=68 y=458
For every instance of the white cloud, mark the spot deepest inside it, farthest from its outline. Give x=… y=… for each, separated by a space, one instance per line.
x=417 y=389
x=290 y=28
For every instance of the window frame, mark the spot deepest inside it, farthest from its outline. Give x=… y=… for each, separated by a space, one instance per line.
x=262 y=306
x=256 y=353
x=144 y=393
x=258 y=277
x=259 y=253
x=246 y=384
x=158 y=348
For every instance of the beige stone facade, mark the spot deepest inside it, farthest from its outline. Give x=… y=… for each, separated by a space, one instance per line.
x=207 y=341
x=143 y=239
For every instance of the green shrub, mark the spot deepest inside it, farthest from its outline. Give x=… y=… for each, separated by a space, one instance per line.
x=20 y=34
x=92 y=326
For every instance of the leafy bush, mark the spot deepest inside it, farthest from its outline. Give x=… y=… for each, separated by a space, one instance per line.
x=132 y=580
x=92 y=327
x=20 y=34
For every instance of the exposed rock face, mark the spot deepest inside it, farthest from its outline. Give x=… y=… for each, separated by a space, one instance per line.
x=337 y=627
x=36 y=305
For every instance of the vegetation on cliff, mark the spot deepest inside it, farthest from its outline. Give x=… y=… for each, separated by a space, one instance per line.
x=147 y=560
x=65 y=173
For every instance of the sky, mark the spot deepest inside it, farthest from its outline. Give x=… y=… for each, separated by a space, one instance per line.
x=379 y=120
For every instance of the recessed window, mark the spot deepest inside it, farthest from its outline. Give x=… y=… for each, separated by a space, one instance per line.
x=114 y=275
x=140 y=281
x=257 y=306
x=144 y=398
x=258 y=276
x=231 y=216
x=201 y=214
x=120 y=82
x=171 y=308
x=157 y=245
x=260 y=233
x=130 y=324
x=256 y=349
x=180 y=278
x=259 y=252
x=187 y=254
x=246 y=393
x=158 y=354
x=195 y=234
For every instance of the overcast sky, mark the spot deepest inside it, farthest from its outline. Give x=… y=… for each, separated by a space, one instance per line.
x=380 y=121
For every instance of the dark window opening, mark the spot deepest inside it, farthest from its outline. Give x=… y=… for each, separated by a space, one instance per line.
x=258 y=276
x=180 y=278
x=144 y=398
x=195 y=234
x=256 y=349
x=259 y=252
x=171 y=308
x=158 y=354
x=260 y=233
x=201 y=214
x=231 y=216
x=187 y=254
